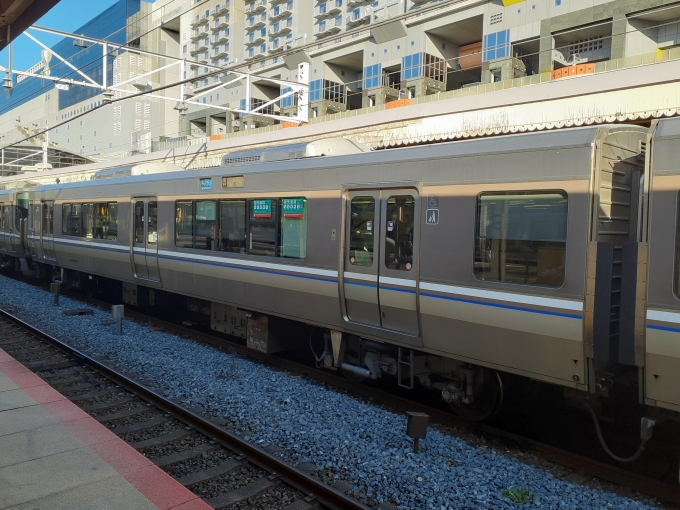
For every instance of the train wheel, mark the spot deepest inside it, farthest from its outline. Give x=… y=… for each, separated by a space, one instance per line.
x=488 y=399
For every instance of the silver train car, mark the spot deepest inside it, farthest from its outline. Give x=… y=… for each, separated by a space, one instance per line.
x=551 y=256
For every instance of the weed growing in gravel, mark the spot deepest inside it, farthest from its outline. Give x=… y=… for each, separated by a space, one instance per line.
x=518 y=495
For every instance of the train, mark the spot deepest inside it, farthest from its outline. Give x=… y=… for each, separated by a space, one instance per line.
x=548 y=256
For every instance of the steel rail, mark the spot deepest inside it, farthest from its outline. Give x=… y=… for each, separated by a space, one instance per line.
x=313 y=488
x=594 y=468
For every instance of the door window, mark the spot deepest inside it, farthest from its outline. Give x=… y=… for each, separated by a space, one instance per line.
x=139 y=222
x=152 y=230
x=399 y=223
x=362 y=228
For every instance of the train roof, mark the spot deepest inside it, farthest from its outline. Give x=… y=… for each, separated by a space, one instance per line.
x=307 y=156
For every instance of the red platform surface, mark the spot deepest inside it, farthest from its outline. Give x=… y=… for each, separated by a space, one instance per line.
x=56 y=456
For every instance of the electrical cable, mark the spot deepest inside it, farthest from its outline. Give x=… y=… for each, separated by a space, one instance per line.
x=633 y=458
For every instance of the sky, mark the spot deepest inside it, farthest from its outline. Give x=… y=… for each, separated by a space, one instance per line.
x=66 y=16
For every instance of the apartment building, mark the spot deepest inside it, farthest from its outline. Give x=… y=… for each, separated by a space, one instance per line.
x=361 y=53
x=366 y=52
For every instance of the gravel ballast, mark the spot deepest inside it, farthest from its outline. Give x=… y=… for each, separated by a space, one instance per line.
x=344 y=437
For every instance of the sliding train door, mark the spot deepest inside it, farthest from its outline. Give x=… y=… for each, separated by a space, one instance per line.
x=47 y=232
x=144 y=249
x=380 y=259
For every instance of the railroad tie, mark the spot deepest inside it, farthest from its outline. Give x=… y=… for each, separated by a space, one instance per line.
x=122 y=414
x=95 y=394
x=298 y=504
x=136 y=427
x=182 y=456
x=165 y=438
x=207 y=474
x=253 y=489
x=106 y=405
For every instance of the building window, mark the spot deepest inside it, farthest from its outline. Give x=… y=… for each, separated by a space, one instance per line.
x=496 y=45
x=372 y=75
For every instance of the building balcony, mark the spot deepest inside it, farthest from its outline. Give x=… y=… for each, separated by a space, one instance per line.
x=255 y=38
x=329 y=8
x=281 y=27
x=255 y=52
x=356 y=3
x=328 y=26
x=220 y=37
x=256 y=22
x=255 y=6
x=220 y=51
x=200 y=19
x=358 y=16
x=220 y=23
x=199 y=33
x=281 y=11
x=275 y=46
x=221 y=8
x=199 y=47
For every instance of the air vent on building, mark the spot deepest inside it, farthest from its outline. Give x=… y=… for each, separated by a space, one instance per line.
x=585 y=45
x=496 y=18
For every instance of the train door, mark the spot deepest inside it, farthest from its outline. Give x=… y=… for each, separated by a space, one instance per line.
x=2 y=228
x=47 y=231
x=380 y=266
x=34 y=230
x=145 y=238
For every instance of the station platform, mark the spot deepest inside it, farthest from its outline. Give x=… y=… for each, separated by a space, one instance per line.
x=54 y=456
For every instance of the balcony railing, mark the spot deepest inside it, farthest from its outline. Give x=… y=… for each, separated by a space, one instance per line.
x=221 y=8
x=328 y=26
x=255 y=7
x=281 y=10
x=329 y=8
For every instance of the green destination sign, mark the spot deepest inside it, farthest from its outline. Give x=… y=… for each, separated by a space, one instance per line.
x=293 y=207
x=262 y=208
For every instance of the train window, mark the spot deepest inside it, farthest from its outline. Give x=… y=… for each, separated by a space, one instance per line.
x=399 y=232
x=105 y=221
x=293 y=228
x=139 y=222
x=152 y=227
x=2 y=218
x=65 y=218
x=521 y=237
x=184 y=218
x=362 y=223
x=20 y=210
x=205 y=226
x=676 y=276
x=51 y=213
x=88 y=220
x=72 y=220
x=262 y=229
x=233 y=226
x=46 y=219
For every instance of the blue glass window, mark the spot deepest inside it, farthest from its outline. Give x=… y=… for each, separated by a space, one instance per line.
x=412 y=66
x=496 y=45
x=315 y=90
x=372 y=75
x=286 y=101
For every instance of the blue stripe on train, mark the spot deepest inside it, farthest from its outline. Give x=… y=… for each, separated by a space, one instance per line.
x=508 y=307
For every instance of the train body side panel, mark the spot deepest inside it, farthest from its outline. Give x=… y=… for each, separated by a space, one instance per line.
x=525 y=328
x=662 y=333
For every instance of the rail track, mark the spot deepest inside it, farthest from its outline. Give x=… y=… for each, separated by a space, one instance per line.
x=218 y=466
x=584 y=466
x=667 y=492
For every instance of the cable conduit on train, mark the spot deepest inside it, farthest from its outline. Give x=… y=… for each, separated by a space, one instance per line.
x=633 y=458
